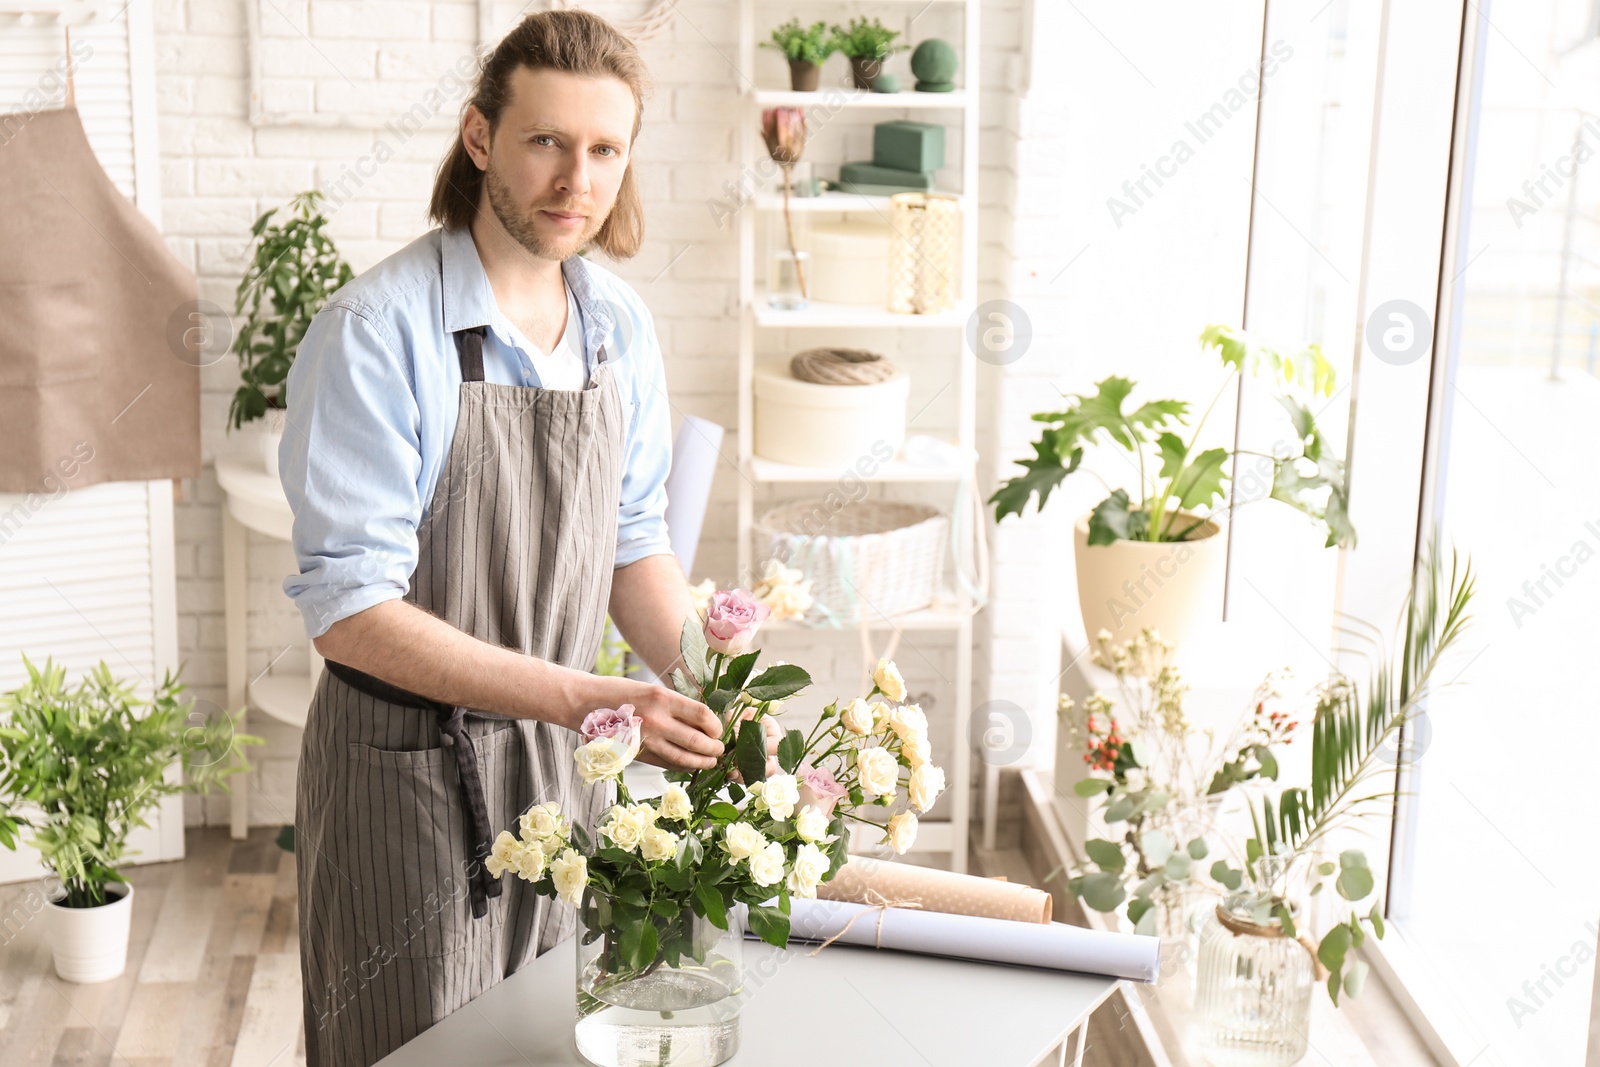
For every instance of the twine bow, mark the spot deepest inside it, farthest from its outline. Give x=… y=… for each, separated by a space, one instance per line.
x=881 y=906
x=1241 y=928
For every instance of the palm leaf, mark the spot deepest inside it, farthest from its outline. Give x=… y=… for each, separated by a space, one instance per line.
x=1353 y=725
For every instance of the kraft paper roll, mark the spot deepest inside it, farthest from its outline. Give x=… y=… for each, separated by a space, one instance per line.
x=936 y=890
x=1052 y=946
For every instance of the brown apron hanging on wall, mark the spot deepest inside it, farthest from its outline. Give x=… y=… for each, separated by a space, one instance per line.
x=99 y=377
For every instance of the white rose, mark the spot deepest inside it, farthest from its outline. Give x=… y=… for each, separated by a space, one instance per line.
x=908 y=720
x=887 y=678
x=810 y=867
x=916 y=750
x=570 y=873
x=902 y=832
x=766 y=866
x=502 y=854
x=927 y=782
x=701 y=595
x=880 y=773
x=543 y=822
x=880 y=715
x=857 y=717
x=675 y=804
x=812 y=824
x=529 y=863
x=658 y=844
x=645 y=813
x=602 y=758
x=623 y=828
x=781 y=793
x=743 y=841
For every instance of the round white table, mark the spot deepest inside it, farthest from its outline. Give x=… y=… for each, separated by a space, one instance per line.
x=254 y=501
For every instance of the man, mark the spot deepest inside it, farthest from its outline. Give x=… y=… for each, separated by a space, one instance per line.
x=477 y=449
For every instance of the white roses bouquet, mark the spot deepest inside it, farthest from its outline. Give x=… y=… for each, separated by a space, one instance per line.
x=732 y=834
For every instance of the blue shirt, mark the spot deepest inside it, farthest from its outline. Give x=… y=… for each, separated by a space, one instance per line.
x=371 y=399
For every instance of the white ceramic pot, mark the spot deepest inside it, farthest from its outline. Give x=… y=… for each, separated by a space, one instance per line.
x=273 y=423
x=832 y=426
x=1126 y=586
x=91 y=944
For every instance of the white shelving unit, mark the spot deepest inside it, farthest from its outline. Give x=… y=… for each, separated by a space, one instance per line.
x=953 y=612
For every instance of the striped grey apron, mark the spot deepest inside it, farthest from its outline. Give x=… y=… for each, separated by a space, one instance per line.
x=399 y=922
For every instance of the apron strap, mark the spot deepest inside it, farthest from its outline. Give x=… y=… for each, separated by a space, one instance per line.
x=453 y=735
x=469 y=346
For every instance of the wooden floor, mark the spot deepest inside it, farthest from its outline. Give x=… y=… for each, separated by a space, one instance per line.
x=213 y=975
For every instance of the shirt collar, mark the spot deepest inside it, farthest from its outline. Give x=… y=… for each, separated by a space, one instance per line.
x=469 y=299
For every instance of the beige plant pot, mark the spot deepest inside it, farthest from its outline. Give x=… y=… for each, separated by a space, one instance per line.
x=1127 y=586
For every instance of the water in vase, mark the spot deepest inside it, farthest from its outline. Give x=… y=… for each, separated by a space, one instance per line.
x=683 y=1016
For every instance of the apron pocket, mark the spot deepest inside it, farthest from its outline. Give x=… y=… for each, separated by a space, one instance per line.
x=410 y=851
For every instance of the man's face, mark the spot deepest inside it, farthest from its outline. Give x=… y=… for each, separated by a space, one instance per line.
x=557 y=157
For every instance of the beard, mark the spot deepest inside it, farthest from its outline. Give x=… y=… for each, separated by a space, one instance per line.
x=523 y=223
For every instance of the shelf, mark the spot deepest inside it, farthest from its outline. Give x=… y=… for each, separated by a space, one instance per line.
x=838 y=201
x=895 y=470
x=865 y=316
x=954 y=100
x=255 y=497
x=286 y=697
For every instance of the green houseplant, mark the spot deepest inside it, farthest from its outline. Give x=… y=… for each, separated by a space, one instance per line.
x=867 y=42
x=1164 y=533
x=80 y=768
x=294 y=268
x=806 y=48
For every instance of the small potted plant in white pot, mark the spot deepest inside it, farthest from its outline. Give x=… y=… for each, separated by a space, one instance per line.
x=294 y=268
x=1155 y=559
x=806 y=48
x=80 y=768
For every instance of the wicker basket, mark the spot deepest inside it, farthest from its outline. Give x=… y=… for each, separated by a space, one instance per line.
x=872 y=557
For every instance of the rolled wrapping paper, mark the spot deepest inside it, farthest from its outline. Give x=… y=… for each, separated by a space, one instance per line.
x=935 y=890
x=1053 y=946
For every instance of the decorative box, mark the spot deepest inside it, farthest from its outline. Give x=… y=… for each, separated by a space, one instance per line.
x=831 y=426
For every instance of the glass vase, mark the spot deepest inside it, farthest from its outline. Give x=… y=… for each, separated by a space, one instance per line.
x=680 y=1009
x=789 y=259
x=1252 y=1000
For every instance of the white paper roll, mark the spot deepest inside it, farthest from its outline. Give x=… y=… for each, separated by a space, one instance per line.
x=1055 y=946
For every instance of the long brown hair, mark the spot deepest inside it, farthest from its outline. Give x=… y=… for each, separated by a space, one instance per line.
x=578 y=42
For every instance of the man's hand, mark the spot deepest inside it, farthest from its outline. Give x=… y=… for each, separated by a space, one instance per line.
x=774 y=735
x=679 y=734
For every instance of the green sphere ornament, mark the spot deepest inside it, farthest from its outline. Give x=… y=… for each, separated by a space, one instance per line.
x=934 y=63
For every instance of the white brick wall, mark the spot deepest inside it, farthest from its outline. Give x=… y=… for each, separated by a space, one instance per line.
x=219 y=172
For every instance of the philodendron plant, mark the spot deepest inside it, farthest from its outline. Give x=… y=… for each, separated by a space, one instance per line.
x=1177 y=481
x=294 y=268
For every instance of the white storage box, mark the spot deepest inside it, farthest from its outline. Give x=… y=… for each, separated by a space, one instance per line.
x=850 y=262
x=833 y=426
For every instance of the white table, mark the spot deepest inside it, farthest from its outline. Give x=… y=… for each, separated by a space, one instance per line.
x=255 y=501
x=846 y=1004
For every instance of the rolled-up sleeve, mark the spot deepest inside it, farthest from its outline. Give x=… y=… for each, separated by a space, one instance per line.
x=642 y=514
x=350 y=463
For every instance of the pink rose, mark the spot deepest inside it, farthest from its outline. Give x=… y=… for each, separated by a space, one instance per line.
x=819 y=787
x=620 y=723
x=732 y=619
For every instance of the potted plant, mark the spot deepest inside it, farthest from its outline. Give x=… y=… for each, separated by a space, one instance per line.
x=664 y=886
x=868 y=43
x=806 y=48
x=1155 y=560
x=1258 y=958
x=80 y=768
x=294 y=268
